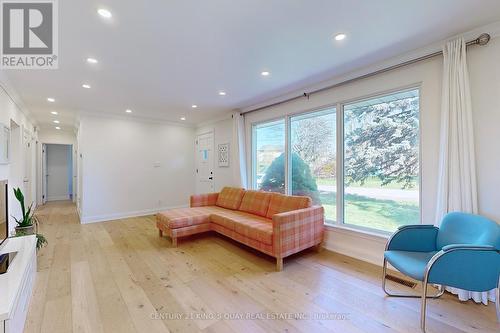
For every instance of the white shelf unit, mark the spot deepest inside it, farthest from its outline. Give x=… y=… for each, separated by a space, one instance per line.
x=16 y=286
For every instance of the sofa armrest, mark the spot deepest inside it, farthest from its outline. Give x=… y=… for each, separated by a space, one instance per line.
x=418 y=238
x=297 y=230
x=200 y=200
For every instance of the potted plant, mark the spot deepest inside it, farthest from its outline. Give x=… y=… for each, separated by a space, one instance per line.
x=27 y=225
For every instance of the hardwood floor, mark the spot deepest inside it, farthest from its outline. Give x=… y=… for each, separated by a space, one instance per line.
x=121 y=277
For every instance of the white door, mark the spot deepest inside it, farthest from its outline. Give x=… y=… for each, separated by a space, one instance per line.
x=44 y=173
x=205 y=163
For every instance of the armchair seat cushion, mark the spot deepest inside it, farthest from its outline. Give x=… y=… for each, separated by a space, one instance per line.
x=410 y=263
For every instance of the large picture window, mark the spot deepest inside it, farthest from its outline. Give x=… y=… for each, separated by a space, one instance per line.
x=381 y=161
x=376 y=171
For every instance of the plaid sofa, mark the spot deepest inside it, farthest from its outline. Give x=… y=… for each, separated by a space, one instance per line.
x=273 y=223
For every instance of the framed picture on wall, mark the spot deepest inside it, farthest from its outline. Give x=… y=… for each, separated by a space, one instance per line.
x=223 y=152
x=4 y=144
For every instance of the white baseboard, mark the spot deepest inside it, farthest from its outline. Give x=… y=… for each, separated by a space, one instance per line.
x=124 y=215
x=58 y=198
x=359 y=245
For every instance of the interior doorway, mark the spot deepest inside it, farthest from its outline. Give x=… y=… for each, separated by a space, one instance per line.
x=205 y=163
x=57 y=169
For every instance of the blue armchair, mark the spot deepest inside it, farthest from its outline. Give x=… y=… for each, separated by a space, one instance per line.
x=463 y=253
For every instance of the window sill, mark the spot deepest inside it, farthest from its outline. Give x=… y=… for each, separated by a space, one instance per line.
x=370 y=234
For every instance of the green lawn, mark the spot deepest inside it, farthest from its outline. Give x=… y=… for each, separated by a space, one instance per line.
x=378 y=214
x=370 y=182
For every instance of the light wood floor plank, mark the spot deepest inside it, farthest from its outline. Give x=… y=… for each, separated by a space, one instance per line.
x=119 y=276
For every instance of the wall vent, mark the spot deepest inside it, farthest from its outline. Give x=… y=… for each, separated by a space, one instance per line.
x=399 y=280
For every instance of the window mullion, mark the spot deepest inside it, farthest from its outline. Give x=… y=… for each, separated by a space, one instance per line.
x=340 y=164
x=288 y=156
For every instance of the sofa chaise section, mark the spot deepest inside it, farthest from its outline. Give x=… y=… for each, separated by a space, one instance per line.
x=272 y=223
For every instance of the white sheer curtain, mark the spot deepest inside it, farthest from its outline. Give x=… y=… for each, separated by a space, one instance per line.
x=457 y=189
x=238 y=151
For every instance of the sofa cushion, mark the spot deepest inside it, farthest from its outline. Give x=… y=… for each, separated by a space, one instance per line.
x=281 y=203
x=255 y=227
x=223 y=220
x=185 y=217
x=230 y=197
x=255 y=202
x=246 y=224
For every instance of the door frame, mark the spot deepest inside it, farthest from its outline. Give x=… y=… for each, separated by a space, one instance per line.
x=212 y=132
x=44 y=174
x=71 y=164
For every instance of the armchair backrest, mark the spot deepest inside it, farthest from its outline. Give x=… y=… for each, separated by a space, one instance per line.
x=463 y=228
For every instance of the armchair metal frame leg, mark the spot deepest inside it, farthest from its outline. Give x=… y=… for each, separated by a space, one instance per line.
x=384 y=274
x=497 y=300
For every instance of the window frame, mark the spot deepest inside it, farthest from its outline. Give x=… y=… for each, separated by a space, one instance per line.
x=339 y=110
x=253 y=126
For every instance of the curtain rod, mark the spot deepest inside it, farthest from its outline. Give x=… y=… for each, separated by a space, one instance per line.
x=483 y=39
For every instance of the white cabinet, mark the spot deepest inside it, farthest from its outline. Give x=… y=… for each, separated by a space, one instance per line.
x=17 y=284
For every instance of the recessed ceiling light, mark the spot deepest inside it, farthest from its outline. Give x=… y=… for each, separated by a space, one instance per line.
x=58 y=128
x=265 y=73
x=128 y=111
x=86 y=86
x=104 y=13
x=56 y=121
x=54 y=113
x=183 y=118
x=340 y=36
x=194 y=106
x=222 y=93
x=51 y=100
x=92 y=61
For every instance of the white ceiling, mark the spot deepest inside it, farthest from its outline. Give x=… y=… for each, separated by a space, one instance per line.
x=159 y=57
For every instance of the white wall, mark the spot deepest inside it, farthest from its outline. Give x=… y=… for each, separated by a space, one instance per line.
x=62 y=137
x=485 y=82
x=223 y=133
x=9 y=111
x=130 y=167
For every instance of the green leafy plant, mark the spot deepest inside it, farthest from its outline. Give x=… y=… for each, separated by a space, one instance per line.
x=29 y=217
x=41 y=241
x=28 y=220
